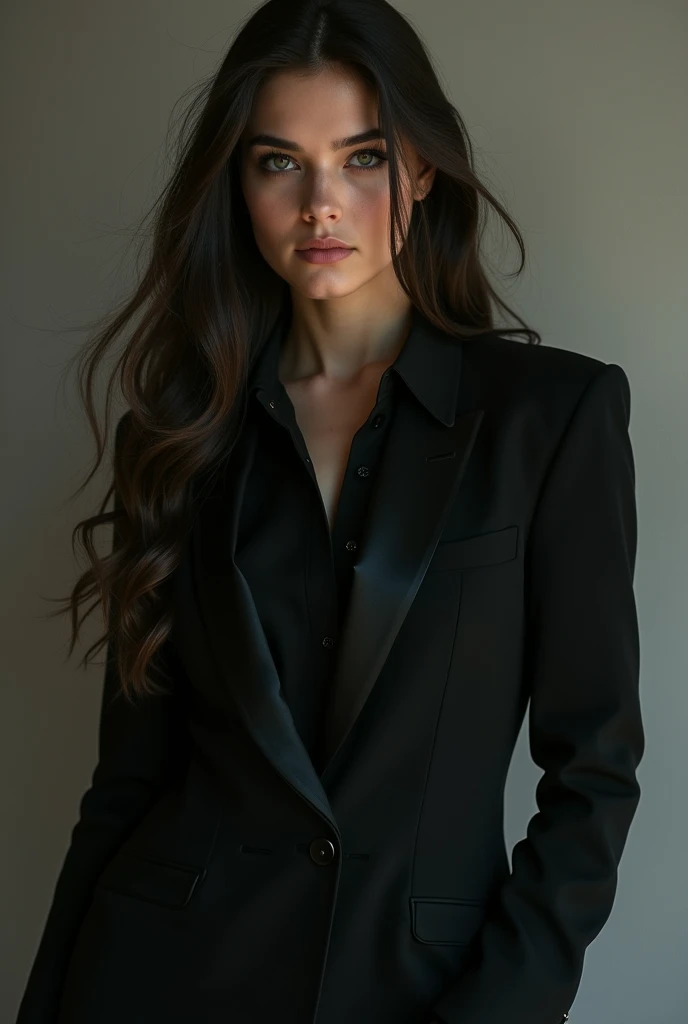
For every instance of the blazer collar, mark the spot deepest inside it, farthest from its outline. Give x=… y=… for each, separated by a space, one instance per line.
x=427 y=363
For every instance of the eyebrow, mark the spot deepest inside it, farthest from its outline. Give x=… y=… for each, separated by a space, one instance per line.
x=352 y=140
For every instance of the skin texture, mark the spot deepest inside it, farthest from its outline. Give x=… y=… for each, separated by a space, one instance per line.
x=350 y=319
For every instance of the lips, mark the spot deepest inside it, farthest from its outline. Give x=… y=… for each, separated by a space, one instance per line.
x=330 y=254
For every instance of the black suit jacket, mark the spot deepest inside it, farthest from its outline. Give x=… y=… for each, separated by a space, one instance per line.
x=214 y=875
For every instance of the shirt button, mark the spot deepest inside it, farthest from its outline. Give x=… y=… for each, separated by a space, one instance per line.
x=379 y=419
x=351 y=545
x=272 y=403
x=363 y=471
x=307 y=459
x=327 y=641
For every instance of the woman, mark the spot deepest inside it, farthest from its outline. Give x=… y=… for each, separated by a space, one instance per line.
x=357 y=529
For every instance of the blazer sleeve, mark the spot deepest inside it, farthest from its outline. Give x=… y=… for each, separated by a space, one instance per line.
x=585 y=730
x=140 y=747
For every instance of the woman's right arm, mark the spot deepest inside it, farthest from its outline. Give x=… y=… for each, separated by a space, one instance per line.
x=139 y=749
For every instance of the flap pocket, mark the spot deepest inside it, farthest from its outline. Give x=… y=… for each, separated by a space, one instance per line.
x=450 y=921
x=146 y=878
x=472 y=552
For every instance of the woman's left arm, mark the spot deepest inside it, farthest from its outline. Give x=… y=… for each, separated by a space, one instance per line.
x=585 y=729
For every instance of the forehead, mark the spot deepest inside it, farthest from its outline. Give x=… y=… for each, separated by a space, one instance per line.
x=313 y=106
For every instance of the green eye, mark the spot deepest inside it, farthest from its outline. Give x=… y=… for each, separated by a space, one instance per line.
x=370 y=152
x=275 y=155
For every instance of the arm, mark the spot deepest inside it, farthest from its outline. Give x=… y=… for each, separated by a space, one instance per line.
x=585 y=729
x=140 y=747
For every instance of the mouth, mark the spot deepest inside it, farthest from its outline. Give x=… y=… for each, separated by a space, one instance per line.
x=328 y=254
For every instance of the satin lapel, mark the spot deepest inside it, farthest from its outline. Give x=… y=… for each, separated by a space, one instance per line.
x=420 y=472
x=247 y=676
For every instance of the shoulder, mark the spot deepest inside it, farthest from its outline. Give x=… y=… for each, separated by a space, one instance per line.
x=500 y=356
x=500 y=370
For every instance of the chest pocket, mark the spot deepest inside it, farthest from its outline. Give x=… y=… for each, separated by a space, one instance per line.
x=474 y=552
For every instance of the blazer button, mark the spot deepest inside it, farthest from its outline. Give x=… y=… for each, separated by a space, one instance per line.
x=322 y=851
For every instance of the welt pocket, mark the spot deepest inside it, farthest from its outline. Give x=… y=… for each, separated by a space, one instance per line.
x=154 y=880
x=473 y=552
x=449 y=921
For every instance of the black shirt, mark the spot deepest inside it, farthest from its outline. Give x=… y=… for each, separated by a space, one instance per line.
x=299 y=572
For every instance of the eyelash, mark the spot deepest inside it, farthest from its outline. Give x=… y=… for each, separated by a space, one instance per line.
x=268 y=156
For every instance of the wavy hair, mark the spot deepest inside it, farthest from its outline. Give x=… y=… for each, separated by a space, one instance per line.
x=207 y=299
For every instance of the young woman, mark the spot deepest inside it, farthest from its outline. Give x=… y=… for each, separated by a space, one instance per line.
x=358 y=530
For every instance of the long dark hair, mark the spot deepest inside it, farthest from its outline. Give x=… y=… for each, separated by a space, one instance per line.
x=207 y=298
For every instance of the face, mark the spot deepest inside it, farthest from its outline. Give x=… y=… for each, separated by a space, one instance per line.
x=304 y=188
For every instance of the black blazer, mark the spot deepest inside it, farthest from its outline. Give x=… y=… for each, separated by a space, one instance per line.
x=214 y=876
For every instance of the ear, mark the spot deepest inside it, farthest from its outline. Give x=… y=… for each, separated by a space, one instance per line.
x=424 y=180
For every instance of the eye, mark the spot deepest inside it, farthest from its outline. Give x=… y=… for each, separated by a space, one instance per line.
x=379 y=153
x=275 y=155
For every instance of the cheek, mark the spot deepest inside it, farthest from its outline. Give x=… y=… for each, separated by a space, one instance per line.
x=369 y=212
x=267 y=210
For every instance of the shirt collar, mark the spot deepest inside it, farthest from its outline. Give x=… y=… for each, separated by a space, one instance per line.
x=429 y=364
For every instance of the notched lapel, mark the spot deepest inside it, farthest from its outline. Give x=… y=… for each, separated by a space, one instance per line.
x=420 y=471
x=247 y=676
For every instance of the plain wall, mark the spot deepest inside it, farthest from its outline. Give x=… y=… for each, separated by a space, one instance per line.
x=577 y=111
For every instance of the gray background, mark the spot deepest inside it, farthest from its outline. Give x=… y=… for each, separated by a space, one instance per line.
x=577 y=110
